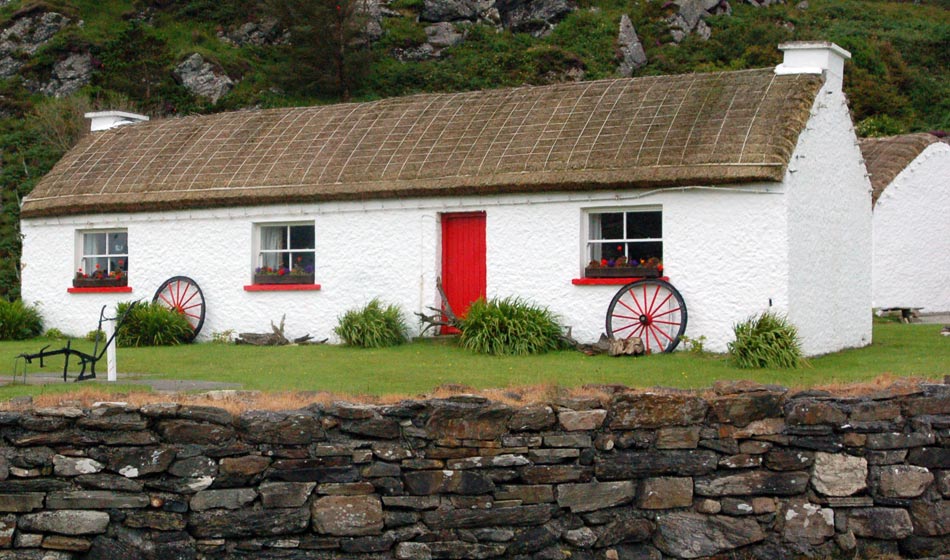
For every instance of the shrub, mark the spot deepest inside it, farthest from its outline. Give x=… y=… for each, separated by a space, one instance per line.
x=372 y=326
x=55 y=334
x=766 y=341
x=152 y=324
x=18 y=321
x=509 y=326
x=96 y=335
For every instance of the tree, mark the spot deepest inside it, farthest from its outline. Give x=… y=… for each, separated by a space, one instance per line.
x=330 y=52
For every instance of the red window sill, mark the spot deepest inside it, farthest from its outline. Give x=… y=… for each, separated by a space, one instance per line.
x=609 y=281
x=101 y=290
x=281 y=287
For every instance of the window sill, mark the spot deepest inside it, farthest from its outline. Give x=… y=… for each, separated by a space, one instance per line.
x=281 y=287
x=101 y=290
x=612 y=281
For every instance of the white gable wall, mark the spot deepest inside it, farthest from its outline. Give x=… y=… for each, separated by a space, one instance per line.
x=724 y=249
x=829 y=232
x=912 y=235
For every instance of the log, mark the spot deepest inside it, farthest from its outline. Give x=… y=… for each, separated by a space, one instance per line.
x=274 y=338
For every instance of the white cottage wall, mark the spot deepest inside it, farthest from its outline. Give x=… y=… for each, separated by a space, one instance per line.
x=912 y=235
x=829 y=232
x=723 y=249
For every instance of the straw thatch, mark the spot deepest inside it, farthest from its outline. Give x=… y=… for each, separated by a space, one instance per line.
x=886 y=157
x=705 y=129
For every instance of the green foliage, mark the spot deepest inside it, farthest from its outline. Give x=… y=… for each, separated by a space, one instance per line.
x=372 y=326
x=879 y=125
x=695 y=345
x=151 y=324
x=328 y=51
x=766 y=341
x=95 y=335
x=55 y=334
x=509 y=326
x=18 y=321
x=222 y=337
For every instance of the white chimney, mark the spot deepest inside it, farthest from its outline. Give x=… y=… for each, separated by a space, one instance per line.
x=814 y=57
x=104 y=120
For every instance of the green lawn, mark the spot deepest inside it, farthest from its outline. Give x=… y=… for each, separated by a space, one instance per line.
x=898 y=350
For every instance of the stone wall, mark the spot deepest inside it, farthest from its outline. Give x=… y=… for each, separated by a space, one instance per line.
x=748 y=471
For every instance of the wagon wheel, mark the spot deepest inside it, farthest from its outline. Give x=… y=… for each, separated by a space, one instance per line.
x=182 y=294
x=650 y=309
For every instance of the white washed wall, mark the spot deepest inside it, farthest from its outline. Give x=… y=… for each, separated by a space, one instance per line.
x=912 y=235
x=724 y=249
x=829 y=231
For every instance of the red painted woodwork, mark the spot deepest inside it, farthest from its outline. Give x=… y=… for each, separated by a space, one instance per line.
x=610 y=281
x=281 y=287
x=101 y=290
x=463 y=260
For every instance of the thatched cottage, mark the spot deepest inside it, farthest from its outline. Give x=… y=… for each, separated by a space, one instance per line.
x=910 y=175
x=748 y=186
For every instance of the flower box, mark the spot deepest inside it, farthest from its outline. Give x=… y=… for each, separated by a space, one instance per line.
x=101 y=282
x=621 y=272
x=285 y=279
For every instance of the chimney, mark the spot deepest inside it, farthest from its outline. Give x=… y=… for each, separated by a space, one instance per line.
x=814 y=57
x=104 y=120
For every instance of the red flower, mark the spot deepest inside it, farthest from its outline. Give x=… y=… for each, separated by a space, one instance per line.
x=603 y=262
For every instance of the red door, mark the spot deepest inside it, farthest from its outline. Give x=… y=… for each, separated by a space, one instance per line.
x=463 y=260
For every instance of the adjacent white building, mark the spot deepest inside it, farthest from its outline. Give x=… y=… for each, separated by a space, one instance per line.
x=910 y=175
x=748 y=185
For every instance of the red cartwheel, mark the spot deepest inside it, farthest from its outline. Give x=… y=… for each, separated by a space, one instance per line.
x=182 y=294
x=650 y=309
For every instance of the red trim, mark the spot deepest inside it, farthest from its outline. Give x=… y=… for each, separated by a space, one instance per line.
x=281 y=287
x=101 y=290
x=610 y=281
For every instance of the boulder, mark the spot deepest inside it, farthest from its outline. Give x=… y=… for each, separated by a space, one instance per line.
x=753 y=483
x=454 y=10
x=265 y=32
x=68 y=76
x=693 y=535
x=902 y=481
x=595 y=495
x=837 y=474
x=803 y=522
x=666 y=493
x=632 y=55
x=65 y=522
x=20 y=40
x=532 y=16
x=880 y=523
x=649 y=410
x=200 y=78
x=348 y=515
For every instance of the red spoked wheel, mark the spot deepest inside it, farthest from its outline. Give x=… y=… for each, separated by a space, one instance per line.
x=182 y=294
x=650 y=309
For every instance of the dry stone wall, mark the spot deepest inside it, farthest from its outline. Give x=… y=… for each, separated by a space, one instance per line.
x=747 y=472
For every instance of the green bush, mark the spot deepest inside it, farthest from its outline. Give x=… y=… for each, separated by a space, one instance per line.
x=766 y=341
x=18 y=321
x=372 y=326
x=152 y=324
x=509 y=326
x=55 y=334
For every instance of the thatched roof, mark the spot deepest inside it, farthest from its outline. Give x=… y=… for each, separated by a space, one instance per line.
x=706 y=129
x=886 y=157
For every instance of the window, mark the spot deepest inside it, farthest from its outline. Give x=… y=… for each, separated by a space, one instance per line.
x=105 y=254
x=285 y=254
x=636 y=235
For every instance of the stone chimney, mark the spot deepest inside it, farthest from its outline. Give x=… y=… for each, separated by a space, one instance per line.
x=814 y=57
x=104 y=120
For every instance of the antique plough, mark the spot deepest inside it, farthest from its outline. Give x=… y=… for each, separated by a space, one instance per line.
x=85 y=359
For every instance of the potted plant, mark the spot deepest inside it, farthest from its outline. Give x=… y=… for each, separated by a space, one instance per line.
x=298 y=274
x=623 y=268
x=100 y=278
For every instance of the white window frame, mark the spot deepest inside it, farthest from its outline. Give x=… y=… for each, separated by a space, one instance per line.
x=258 y=252
x=587 y=253
x=81 y=255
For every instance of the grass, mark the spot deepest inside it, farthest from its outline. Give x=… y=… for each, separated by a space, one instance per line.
x=898 y=351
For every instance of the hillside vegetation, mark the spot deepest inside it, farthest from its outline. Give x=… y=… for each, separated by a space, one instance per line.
x=60 y=58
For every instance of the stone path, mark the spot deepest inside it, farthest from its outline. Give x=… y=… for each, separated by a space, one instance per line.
x=159 y=385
